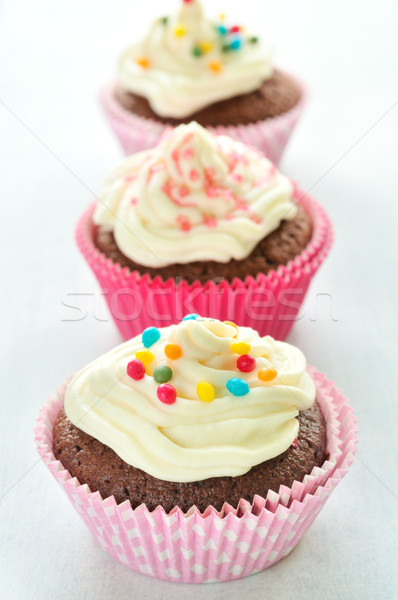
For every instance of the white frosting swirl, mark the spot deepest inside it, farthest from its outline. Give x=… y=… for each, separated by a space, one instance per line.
x=192 y=440
x=164 y=69
x=194 y=197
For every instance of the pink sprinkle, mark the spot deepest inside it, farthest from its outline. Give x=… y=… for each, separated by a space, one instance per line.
x=194 y=175
x=134 y=201
x=294 y=444
x=210 y=173
x=167 y=393
x=240 y=204
x=255 y=219
x=129 y=178
x=184 y=191
x=184 y=223
x=188 y=154
x=210 y=221
x=213 y=192
x=238 y=178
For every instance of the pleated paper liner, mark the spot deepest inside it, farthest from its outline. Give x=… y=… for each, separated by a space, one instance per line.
x=268 y=303
x=211 y=546
x=137 y=133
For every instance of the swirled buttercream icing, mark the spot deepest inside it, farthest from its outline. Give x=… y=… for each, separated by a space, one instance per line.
x=200 y=399
x=188 y=61
x=194 y=197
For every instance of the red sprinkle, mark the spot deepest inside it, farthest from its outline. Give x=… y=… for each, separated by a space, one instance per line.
x=234 y=29
x=167 y=393
x=294 y=444
x=136 y=369
x=246 y=363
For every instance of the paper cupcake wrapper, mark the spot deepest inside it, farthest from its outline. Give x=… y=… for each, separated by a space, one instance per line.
x=196 y=547
x=138 y=133
x=268 y=303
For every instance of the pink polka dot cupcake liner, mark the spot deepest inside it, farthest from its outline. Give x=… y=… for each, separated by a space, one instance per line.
x=268 y=303
x=213 y=546
x=137 y=133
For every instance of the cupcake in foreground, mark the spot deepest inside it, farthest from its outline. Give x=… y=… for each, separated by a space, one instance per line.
x=193 y=450
x=204 y=224
x=190 y=67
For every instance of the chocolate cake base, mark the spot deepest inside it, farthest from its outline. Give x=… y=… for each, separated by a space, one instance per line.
x=96 y=465
x=277 y=95
x=282 y=245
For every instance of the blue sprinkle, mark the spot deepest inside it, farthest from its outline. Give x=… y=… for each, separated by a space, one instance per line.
x=222 y=29
x=236 y=44
x=150 y=336
x=238 y=386
x=191 y=317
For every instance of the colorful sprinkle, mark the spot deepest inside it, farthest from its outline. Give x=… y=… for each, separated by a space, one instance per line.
x=179 y=30
x=236 y=44
x=246 y=363
x=187 y=1
x=241 y=347
x=191 y=317
x=215 y=66
x=206 y=47
x=234 y=29
x=205 y=391
x=237 y=386
x=267 y=374
x=162 y=374
x=142 y=62
x=150 y=335
x=136 y=369
x=197 y=51
x=145 y=356
x=232 y=324
x=226 y=48
x=294 y=443
x=164 y=20
x=173 y=351
x=222 y=30
x=221 y=16
x=253 y=40
x=167 y=393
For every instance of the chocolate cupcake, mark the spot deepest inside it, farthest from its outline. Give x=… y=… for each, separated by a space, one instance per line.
x=190 y=67
x=200 y=451
x=205 y=224
x=197 y=414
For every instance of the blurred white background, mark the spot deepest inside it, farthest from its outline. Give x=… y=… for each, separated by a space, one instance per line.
x=56 y=148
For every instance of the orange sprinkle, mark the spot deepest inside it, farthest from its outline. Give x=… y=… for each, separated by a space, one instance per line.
x=232 y=325
x=172 y=351
x=215 y=66
x=143 y=62
x=267 y=374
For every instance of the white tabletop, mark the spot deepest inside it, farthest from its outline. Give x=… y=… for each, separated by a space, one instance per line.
x=55 y=150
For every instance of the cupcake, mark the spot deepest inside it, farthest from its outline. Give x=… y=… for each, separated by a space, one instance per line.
x=203 y=224
x=192 y=68
x=200 y=451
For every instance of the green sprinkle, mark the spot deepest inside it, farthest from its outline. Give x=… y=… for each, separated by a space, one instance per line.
x=162 y=374
x=197 y=51
x=226 y=48
x=165 y=20
x=253 y=40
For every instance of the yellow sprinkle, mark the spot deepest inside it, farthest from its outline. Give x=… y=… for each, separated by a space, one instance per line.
x=143 y=62
x=206 y=46
x=267 y=374
x=222 y=16
x=215 y=66
x=172 y=351
x=179 y=30
x=205 y=391
x=145 y=356
x=241 y=347
x=232 y=325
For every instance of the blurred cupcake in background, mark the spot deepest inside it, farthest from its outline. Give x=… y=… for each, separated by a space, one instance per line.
x=203 y=224
x=190 y=67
